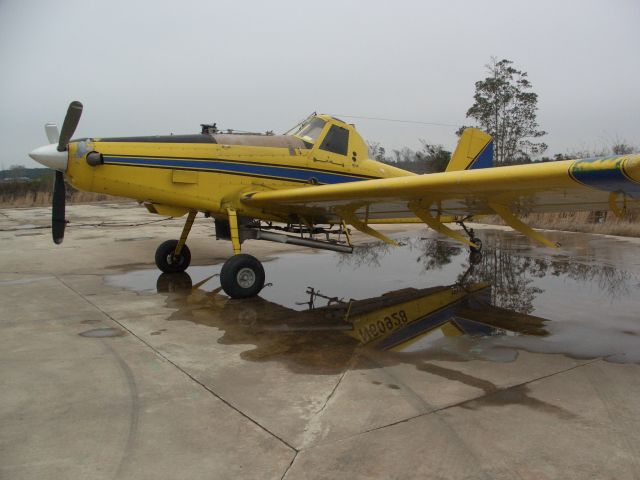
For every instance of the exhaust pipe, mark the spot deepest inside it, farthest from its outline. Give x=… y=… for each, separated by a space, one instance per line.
x=94 y=159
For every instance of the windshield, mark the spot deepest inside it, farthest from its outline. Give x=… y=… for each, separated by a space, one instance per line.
x=310 y=130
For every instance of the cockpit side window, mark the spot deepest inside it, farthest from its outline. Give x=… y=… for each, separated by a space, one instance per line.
x=336 y=140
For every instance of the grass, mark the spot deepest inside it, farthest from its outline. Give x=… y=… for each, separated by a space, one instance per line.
x=43 y=199
x=591 y=222
x=38 y=193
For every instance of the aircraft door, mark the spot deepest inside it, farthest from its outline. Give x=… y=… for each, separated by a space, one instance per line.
x=334 y=148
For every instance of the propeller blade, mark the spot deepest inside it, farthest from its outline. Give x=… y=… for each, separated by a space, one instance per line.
x=57 y=212
x=52 y=132
x=69 y=125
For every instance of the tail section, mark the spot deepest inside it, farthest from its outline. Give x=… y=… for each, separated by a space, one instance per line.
x=474 y=150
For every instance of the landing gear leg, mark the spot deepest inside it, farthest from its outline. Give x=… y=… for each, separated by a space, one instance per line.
x=242 y=276
x=472 y=237
x=173 y=256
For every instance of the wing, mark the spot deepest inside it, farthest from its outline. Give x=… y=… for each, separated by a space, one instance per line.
x=611 y=183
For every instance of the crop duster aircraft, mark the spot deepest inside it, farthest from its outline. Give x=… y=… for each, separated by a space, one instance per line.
x=306 y=186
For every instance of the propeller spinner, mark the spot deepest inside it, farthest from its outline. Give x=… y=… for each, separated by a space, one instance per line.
x=56 y=157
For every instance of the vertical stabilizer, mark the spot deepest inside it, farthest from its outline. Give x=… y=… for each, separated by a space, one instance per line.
x=474 y=150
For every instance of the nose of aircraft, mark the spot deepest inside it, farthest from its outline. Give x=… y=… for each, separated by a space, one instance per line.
x=49 y=156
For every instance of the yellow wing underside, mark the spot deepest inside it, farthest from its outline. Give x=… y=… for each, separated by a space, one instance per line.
x=611 y=183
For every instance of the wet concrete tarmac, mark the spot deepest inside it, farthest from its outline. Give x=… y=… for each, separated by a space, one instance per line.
x=110 y=370
x=102 y=333
x=587 y=292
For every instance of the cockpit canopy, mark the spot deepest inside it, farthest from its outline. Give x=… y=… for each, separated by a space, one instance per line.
x=336 y=139
x=309 y=130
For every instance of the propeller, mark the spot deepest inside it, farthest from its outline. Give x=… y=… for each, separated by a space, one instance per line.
x=50 y=157
x=52 y=132
x=69 y=125
x=58 y=222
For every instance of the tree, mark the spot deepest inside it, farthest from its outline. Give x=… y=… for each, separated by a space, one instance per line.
x=435 y=156
x=431 y=158
x=622 y=148
x=505 y=107
x=376 y=151
x=17 y=171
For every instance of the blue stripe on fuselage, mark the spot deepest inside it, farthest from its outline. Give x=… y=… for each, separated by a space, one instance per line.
x=424 y=324
x=282 y=173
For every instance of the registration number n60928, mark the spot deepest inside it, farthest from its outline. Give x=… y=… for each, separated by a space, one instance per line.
x=380 y=327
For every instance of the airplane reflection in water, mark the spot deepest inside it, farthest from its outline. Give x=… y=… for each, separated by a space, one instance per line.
x=393 y=321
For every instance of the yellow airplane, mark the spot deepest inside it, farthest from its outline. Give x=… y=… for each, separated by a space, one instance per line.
x=304 y=187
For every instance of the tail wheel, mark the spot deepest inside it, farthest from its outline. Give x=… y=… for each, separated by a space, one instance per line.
x=170 y=263
x=242 y=276
x=475 y=258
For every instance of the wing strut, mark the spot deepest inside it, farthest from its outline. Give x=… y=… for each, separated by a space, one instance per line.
x=521 y=227
x=425 y=215
x=349 y=216
x=613 y=204
x=346 y=233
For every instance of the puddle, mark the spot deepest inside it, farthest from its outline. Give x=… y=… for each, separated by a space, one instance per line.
x=103 y=333
x=133 y=239
x=580 y=300
x=89 y=237
x=29 y=226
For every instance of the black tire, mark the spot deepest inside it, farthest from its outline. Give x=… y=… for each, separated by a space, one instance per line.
x=167 y=262
x=242 y=276
x=475 y=258
x=478 y=242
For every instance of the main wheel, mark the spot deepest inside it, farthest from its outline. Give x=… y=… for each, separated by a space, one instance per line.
x=170 y=263
x=242 y=276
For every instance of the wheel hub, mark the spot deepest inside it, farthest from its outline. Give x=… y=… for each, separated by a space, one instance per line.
x=173 y=259
x=246 y=277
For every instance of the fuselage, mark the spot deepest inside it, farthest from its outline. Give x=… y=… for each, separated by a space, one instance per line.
x=211 y=172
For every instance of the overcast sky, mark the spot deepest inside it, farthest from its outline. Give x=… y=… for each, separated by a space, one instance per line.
x=156 y=67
